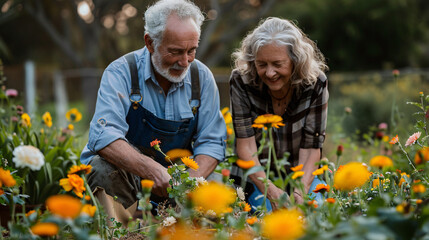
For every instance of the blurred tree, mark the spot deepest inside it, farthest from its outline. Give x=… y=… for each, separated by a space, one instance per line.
x=365 y=34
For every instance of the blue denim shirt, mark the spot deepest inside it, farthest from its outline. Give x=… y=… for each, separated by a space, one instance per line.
x=109 y=121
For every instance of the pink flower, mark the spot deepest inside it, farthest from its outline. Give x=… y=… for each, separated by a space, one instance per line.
x=12 y=93
x=395 y=72
x=413 y=138
x=382 y=126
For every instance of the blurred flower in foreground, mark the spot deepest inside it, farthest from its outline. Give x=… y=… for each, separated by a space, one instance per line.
x=45 y=229
x=64 y=206
x=178 y=153
x=146 y=183
x=47 y=119
x=213 y=196
x=351 y=176
x=381 y=161
x=283 y=224
x=268 y=120
x=168 y=221
x=28 y=156
x=412 y=139
x=73 y=115
x=422 y=155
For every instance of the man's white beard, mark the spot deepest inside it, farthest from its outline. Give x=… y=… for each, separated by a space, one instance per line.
x=157 y=64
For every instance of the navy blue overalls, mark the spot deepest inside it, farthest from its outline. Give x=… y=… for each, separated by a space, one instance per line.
x=144 y=126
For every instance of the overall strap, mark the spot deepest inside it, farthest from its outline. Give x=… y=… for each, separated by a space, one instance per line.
x=195 y=78
x=135 y=89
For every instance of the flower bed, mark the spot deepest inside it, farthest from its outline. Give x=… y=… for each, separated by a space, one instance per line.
x=386 y=198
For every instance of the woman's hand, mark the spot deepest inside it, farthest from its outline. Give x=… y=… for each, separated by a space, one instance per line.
x=273 y=194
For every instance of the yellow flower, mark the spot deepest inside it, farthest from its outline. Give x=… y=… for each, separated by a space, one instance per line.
x=26 y=120
x=297 y=174
x=351 y=176
x=229 y=130
x=246 y=207
x=146 y=183
x=403 y=180
x=190 y=163
x=320 y=171
x=245 y=164
x=178 y=153
x=375 y=182
x=381 y=161
x=268 y=120
x=45 y=229
x=64 y=206
x=419 y=201
x=213 y=196
x=184 y=232
x=283 y=224
x=88 y=209
x=70 y=126
x=73 y=115
x=47 y=119
x=385 y=138
x=76 y=169
x=226 y=115
x=297 y=168
x=73 y=182
x=242 y=235
x=422 y=155
x=6 y=178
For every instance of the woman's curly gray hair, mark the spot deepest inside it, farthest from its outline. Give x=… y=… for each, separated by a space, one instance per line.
x=307 y=59
x=156 y=16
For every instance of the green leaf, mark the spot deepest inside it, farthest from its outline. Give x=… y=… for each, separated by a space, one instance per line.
x=253 y=170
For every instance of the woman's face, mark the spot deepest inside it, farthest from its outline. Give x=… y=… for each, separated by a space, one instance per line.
x=274 y=66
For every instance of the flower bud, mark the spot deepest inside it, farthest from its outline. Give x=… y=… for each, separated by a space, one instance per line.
x=340 y=149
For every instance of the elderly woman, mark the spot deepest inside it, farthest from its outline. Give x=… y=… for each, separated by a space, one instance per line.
x=279 y=70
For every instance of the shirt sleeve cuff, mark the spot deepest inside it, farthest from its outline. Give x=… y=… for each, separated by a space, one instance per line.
x=214 y=150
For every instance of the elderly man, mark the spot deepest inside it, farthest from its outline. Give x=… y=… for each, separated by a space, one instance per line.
x=158 y=92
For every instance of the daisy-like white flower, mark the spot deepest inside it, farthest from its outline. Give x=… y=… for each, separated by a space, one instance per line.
x=200 y=181
x=412 y=139
x=168 y=221
x=28 y=156
x=240 y=194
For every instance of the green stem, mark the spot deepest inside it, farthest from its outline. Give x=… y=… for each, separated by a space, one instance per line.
x=411 y=163
x=267 y=174
x=272 y=148
x=101 y=228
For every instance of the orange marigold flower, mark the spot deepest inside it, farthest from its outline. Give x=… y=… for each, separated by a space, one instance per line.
x=283 y=224
x=246 y=207
x=146 y=183
x=245 y=164
x=381 y=161
x=297 y=168
x=1 y=191
x=178 y=153
x=64 y=206
x=6 y=178
x=268 y=120
x=412 y=139
x=189 y=162
x=45 y=229
x=419 y=201
x=252 y=220
x=297 y=174
x=322 y=188
x=422 y=155
x=75 y=169
x=73 y=182
x=89 y=210
x=394 y=140
x=213 y=196
x=419 y=188
x=351 y=176
x=320 y=171
x=330 y=200
x=225 y=172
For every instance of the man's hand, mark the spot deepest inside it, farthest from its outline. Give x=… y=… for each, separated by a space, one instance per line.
x=161 y=179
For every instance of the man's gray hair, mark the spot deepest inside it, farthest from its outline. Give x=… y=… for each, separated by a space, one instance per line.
x=156 y=16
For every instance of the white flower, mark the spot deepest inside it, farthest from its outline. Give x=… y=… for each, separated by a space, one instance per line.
x=210 y=213
x=240 y=193
x=168 y=221
x=200 y=181
x=28 y=156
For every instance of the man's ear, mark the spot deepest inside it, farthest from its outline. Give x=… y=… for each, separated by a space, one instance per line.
x=149 y=43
